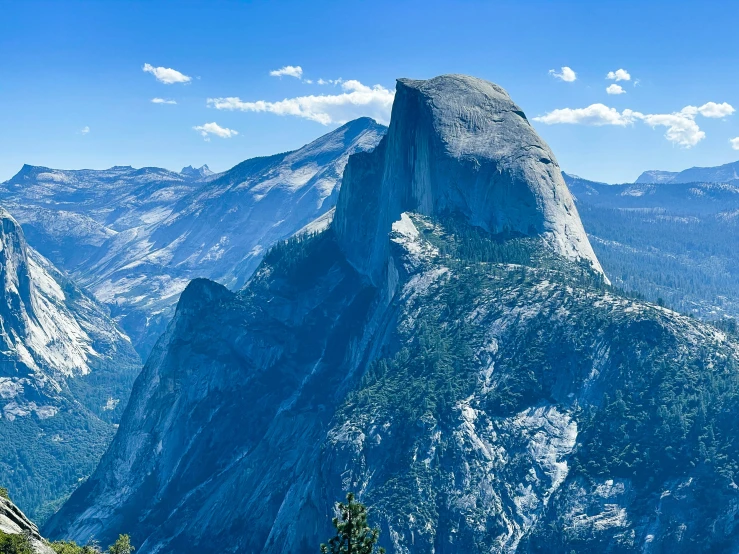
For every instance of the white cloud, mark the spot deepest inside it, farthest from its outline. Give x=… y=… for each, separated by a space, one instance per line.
x=619 y=75
x=595 y=114
x=711 y=109
x=356 y=100
x=308 y=81
x=682 y=128
x=162 y=101
x=734 y=143
x=615 y=89
x=289 y=71
x=166 y=75
x=566 y=74
x=84 y=130
x=214 y=129
x=330 y=81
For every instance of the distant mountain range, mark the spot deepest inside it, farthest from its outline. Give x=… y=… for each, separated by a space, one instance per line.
x=667 y=241
x=720 y=174
x=136 y=237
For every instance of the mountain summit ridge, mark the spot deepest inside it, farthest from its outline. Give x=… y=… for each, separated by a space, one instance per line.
x=457 y=144
x=724 y=173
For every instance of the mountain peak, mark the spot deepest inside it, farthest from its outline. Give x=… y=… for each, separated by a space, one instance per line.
x=202 y=171
x=656 y=176
x=457 y=144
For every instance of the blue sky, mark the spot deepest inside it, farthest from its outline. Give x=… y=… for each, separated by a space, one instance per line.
x=73 y=92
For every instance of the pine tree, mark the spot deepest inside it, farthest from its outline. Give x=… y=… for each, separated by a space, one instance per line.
x=353 y=534
x=121 y=546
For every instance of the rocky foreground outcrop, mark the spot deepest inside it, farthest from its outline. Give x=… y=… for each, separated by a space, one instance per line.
x=15 y=522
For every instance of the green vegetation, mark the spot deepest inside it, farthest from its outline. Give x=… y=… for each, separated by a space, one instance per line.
x=682 y=259
x=4 y=493
x=45 y=460
x=21 y=544
x=667 y=416
x=303 y=257
x=65 y=547
x=353 y=534
x=15 y=544
x=120 y=546
x=464 y=246
x=655 y=396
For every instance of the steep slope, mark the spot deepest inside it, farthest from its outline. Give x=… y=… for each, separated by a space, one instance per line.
x=719 y=174
x=458 y=144
x=482 y=392
x=667 y=241
x=65 y=376
x=14 y=522
x=135 y=238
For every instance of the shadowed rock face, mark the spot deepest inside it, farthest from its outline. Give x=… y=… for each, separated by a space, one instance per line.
x=457 y=144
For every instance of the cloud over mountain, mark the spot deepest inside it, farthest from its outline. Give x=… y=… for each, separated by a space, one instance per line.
x=682 y=128
x=356 y=100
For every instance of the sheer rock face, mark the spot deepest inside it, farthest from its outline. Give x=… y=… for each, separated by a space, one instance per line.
x=65 y=374
x=457 y=144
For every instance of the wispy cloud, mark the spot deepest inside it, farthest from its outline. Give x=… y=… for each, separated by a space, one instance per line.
x=682 y=129
x=615 y=89
x=166 y=75
x=208 y=129
x=356 y=100
x=619 y=75
x=84 y=130
x=734 y=143
x=565 y=74
x=162 y=101
x=288 y=71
